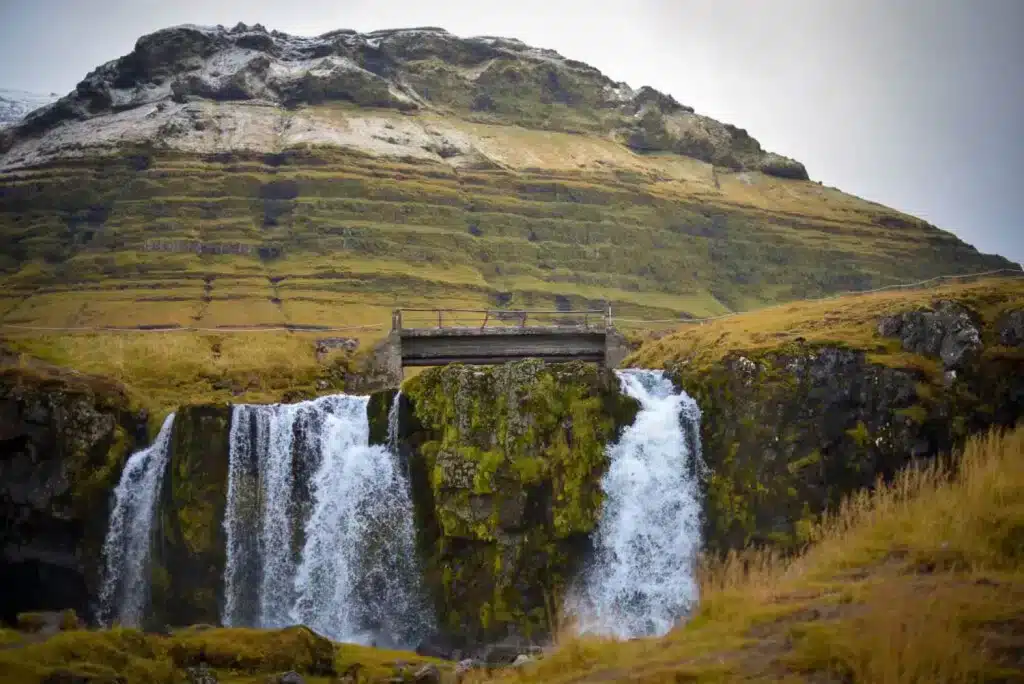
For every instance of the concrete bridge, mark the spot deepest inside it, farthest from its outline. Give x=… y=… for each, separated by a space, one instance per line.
x=435 y=337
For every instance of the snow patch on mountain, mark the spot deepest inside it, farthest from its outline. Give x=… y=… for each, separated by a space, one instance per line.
x=15 y=104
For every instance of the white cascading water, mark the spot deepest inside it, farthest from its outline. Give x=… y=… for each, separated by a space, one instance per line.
x=642 y=579
x=124 y=592
x=339 y=554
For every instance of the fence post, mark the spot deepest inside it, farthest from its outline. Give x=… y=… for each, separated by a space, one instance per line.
x=439 y=326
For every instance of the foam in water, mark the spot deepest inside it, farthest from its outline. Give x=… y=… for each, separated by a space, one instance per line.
x=124 y=593
x=339 y=555
x=641 y=580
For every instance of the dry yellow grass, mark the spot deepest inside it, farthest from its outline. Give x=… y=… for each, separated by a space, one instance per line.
x=921 y=580
x=163 y=370
x=849 y=321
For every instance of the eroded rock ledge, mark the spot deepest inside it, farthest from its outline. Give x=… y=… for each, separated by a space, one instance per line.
x=506 y=463
x=789 y=432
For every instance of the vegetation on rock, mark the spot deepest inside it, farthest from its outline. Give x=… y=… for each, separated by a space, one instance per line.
x=809 y=402
x=187 y=561
x=234 y=655
x=506 y=465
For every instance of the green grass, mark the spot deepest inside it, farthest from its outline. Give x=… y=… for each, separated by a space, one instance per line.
x=574 y=216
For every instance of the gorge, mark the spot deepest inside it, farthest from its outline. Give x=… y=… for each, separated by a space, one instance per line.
x=319 y=525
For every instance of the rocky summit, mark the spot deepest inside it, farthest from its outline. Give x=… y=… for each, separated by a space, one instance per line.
x=322 y=181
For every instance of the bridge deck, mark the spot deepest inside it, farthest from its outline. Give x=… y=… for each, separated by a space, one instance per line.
x=583 y=336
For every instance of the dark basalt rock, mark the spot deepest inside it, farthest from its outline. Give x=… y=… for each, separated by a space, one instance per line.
x=1011 y=330
x=948 y=332
x=64 y=439
x=787 y=433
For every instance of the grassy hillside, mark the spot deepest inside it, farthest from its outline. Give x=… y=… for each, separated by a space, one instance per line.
x=920 y=581
x=850 y=321
x=327 y=237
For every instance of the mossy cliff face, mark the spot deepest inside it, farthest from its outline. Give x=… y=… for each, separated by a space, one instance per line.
x=788 y=432
x=63 y=442
x=506 y=464
x=189 y=544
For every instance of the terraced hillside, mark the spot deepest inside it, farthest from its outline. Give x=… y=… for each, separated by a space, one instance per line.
x=238 y=177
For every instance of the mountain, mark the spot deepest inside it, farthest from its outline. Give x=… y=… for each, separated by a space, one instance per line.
x=15 y=104
x=223 y=177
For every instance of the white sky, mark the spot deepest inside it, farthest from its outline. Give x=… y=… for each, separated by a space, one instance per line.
x=916 y=104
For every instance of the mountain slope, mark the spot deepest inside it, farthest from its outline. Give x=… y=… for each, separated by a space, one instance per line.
x=323 y=181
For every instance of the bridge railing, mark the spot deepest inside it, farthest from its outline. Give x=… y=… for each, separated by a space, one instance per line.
x=485 y=319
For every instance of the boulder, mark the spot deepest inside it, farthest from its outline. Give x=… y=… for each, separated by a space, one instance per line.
x=65 y=438
x=948 y=331
x=522 y=659
x=428 y=674
x=465 y=667
x=1011 y=330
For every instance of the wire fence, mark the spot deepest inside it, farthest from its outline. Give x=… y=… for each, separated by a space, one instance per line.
x=489 y=317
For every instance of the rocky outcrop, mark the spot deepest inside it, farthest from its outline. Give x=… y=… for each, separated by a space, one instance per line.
x=406 y=70
x=947 y=331
x=1011 y=329
x=188 y=553
x=787 y=433
x=505 y=464
x=64 y=439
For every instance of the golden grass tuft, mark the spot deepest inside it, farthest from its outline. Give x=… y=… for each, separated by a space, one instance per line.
x=920 y=580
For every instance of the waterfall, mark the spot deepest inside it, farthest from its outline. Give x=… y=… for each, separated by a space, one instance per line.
x=393 y=422
x=642 y=580
x=319 y=525
x=124 y=592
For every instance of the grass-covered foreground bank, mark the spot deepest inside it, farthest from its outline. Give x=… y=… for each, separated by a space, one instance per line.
x=920 y=581
x=236 y=656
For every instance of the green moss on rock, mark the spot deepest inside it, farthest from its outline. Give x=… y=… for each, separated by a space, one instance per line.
x=509 y=460
x=188 y=553
x=788 y=432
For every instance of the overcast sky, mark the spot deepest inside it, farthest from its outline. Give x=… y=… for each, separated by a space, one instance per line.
x=917 y=104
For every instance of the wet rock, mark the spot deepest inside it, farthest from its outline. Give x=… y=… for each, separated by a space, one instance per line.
x=505 y=465
x=465 y=667
x=1011 y=330
x=64 y=439
x=948 y=332
x=436 y=646
x=428 y=674
x=522 y=659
